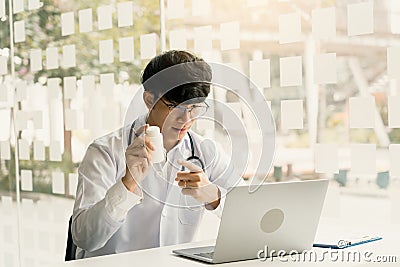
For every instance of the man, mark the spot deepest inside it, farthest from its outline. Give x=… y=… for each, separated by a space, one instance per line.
x=126 y=202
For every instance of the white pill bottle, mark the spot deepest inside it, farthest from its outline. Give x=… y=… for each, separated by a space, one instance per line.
x=155 y=136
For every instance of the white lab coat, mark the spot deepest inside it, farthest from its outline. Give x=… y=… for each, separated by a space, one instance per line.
x=108 y=219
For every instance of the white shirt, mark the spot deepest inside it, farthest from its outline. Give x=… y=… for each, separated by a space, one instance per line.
x=108 y=219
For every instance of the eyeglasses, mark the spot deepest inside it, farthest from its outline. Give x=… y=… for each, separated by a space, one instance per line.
x=194 y=111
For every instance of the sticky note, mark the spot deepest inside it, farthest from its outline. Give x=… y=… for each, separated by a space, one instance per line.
x=55 y=151
x=106 y=51
x=3 y=65
x=260 y=73
x=107 y=84
x=104 y=17
x=69 y=56
x=292 y=114
x=362 y=112
x=23 y=149
x=53 y=88
x=324 y=23
x=38 y=150
x=18 y=6
x=177 y=40
x=38 y=119
x=325 y=68
x=291 y=71
x=175 y=9
x=19 y=31
x=26 y=180
x=3 y=93
x=230 y=35
x=289 y=28
x=33 y=4
x=126 y=49
x=58 y=183
x=326 y=158
x=201 y=7
x=36 y=59
x=21 y=120
x=394 y=154
x=67 y=23
x=2 y=8
x=232 y=116
x=125 y=14
x=394 y=111
x=52 y=58
x=73 y=183
x=363 y=159
x=5 y=151
x=85 y=20
x=202 y=38
x=360 y=18
x=71 y=119
x=148 y=45
x=393 y=62
x=69 y=87
x=21 y=90
x=88 y=85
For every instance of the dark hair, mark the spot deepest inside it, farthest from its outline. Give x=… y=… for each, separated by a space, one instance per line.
x=197 y=70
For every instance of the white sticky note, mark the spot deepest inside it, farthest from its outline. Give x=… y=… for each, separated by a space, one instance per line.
x=125 y=14
x=201 y=7
x=33 y=4
x=55 y=151
x=36 y=59
x=175 y=9
x=126 y=49
x=177 y=40
x=26 y=180
x=230 y=35
x=73 y=183
x=69 y=87
x=19 y=31
x=292 y=114
x=325 y=68
x=324 y=23
x=53 y=88
x=3 y=93
x=2 y=8
x=289 y=28
x=69 y=56
x=23 y=149
x=58 y=183
x=394 y=111
x=148 y=44
x=88 y=85
x=5 y=151
x=104 y=17
x=71 y=120
x=232 y=116
x=3 y=65
x=67 y=23
x=291 y=71
x=393 y=62
x=360 y=18
x=363 y=159
x=52 y=58
x=106 y=51
x=107 y=83
x=260 y=73
x=85 y=20
x=38 y=119
x=21 y=120
x=202 y=38
x=22 y=93
x=362 y=112
x=394 y=152
x=18 y=6
x=326 y=158
x=39 y=150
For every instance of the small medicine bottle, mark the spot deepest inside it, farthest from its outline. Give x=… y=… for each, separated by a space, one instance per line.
x=153 y=133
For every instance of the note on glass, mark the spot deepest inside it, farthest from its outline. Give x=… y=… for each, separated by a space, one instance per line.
x=291 y=71
x=232 y=116
x=177 y=40
x=53 y=87
x=2 y=8
x=324 y=23
x=125 y=14
x=26 y=180
x=23 y=149
x=73 y=183
x=58 y=183
x=126 y=49
x=363 y=159
x=106 y=51
x=22 y=93
x=55 y=151
x=148 y=45
x=69 y=56
x=71 y=119
x=393 y=62
x=201 y=7
x=5 y=151
x=360 y=18
x=33 y=4
x=85 y=20
x=38 y=119
x=18 y=6
x=230 y=35
x=394 y=111
x=260 y=73
x=394 y=152
x=88 y=85
x=326 y=158
x=325 y=68
x=107 y=84
x=104 y=17
x=202 y=39
x=21 y=120
x=362 y=112
x=38 y=150
x=69 y=87
x=52 y=58
x=36 y=59
x=3 y=65
x=67 y=23
x=291 y=114
x=289 y=28
x=175 y=9
x=19 y=31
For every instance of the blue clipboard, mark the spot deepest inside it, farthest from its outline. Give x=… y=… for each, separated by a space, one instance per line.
x=341 y=244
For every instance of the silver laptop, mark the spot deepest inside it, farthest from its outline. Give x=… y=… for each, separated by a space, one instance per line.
x=281 y=216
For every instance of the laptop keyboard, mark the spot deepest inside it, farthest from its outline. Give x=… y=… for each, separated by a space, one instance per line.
x=208 y=255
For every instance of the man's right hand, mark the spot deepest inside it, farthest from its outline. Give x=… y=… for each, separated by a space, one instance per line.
x=138 y=159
